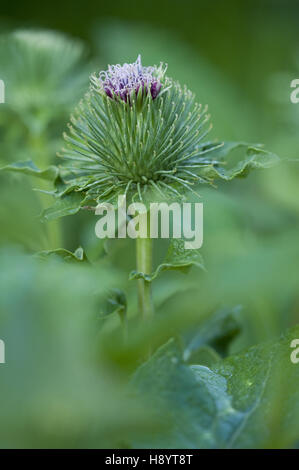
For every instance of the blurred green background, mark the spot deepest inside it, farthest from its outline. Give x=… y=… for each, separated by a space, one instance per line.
x=239 y=58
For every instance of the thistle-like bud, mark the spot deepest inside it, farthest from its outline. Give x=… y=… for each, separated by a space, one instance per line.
x=123 y=80
x=137 y=131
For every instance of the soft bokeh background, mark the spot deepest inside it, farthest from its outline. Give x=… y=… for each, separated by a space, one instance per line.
x=239 y=57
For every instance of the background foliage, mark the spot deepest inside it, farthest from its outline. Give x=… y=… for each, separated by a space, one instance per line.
x=220 y=375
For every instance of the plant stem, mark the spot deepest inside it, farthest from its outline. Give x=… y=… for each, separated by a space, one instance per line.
x=144 y=265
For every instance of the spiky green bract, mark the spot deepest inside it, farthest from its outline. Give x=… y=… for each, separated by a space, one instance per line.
x=140 y=147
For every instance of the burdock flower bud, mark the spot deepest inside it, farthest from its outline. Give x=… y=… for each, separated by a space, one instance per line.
x=136 y=132
x=122 y=81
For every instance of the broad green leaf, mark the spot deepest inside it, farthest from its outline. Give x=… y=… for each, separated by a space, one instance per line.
x=204 y=355
x=63 y=254
x=249 y=400
x=177 y=258
x=236 y=159
x=217 y=332
x=29 y=168
x=69 y=204
x=222 y=152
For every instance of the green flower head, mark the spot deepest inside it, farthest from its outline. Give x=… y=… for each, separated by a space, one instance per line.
x=137 y=131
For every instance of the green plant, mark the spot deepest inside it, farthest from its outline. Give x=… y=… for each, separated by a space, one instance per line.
x=85 y=347
x=137 y=133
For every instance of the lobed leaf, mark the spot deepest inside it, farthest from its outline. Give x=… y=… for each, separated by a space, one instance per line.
x=177 y=258
x=29 y=168
x=252 y=157
x=69 y=204
x=63 y=254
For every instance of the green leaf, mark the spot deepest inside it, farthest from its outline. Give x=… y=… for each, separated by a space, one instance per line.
x=217 y=332
x=65 y=255
x=29 y=168
x=178 y=258
x=116 y=303
x=250 y=400
x=67 y=205
x=204 y=355
x=237 y=159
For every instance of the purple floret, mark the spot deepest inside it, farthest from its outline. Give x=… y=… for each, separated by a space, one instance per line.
x=122 y=80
